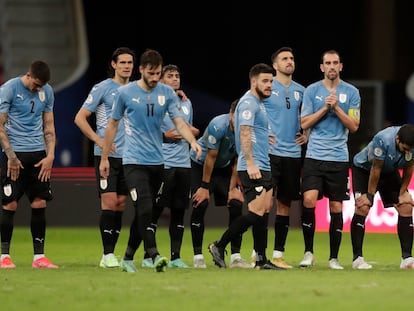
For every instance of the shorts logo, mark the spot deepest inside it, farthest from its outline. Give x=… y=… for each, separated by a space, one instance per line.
x=134 y=195
x=258 y=189
x=103 y=183
x=7 y=190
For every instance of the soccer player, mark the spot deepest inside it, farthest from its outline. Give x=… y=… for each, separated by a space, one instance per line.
x=174 y=192
x=28 y=139
x=283 y=111
x=330 y=111
x=377 y=168
x=113 y=191
x=215 y=173
x=142 y=104
x=251 y=128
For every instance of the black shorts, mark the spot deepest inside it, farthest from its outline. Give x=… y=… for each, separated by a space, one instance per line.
x=286 y=175
x=143 y=181
x=388 y=185
x=116 y=179
x=219 y=183
x=175 y=188
x=253 y=187
x=330 y=178
x=28 y=182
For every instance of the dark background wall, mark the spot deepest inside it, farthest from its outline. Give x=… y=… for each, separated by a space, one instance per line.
x=215 y=43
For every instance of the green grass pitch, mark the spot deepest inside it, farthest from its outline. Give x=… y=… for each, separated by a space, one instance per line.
x=79 y=284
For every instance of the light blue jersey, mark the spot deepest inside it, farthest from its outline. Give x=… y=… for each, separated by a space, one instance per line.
x=177 y=153
x=250 y=111
x=217 y=136
x=328 y=138
x=383 y=147
x=283 y=108
x=143 y=113
x=100 y=101
x=25 y=110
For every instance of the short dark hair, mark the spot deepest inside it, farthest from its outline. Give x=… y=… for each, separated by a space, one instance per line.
x=282 y=49
x=151 y=58
x=40 y=70
x=234 y=105
x=114 y=58
x=260 y=68
x=331 y=52
x=169 y=67
x=406 y=135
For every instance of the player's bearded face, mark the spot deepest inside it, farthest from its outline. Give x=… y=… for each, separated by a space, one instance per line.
x=264 y=91
x=150 y=81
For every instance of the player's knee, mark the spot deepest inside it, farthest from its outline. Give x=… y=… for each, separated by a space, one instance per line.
x=38 y=203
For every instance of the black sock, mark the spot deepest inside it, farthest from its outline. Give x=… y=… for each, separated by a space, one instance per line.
x=357 y=235
x=281 y=232
x=239 y=226
x=335 y=234
x=260 y=238
x=176 y=230
x=197 y=227
x=308 y=227
x=107 y=228
x=235 y=210
x=7 y=221
x=405 y=234
x=38 y=229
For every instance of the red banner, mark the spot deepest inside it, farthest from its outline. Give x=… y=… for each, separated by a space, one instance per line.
x=380 y=219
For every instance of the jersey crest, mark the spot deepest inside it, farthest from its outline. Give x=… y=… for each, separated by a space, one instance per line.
x=42 y=96
x=161 y=100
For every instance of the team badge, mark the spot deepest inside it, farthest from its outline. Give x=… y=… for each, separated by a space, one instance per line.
x=246 y=114
x=103 y=183
x=42 y=96
x=211 y=139
x=161 y=100
x=296 y=95
x=408 y=156
x=7 y=190
x=342 y=98
x=377 y=152
x=134 y=195
x=185 y=110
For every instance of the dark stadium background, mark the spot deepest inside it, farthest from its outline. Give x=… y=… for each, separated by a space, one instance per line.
x=215 y=43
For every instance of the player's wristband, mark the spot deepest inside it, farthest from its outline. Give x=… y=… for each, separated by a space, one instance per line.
x=205 y=185
x=370 y=198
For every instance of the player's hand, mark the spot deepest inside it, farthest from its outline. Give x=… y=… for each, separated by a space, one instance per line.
x=45 y=168
x=197 y=148
x=405 y=198
x=301 y=138
x=363 y=201
x=104 y=168
x=272 y=139
x=199 y=196
x=13 y=168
